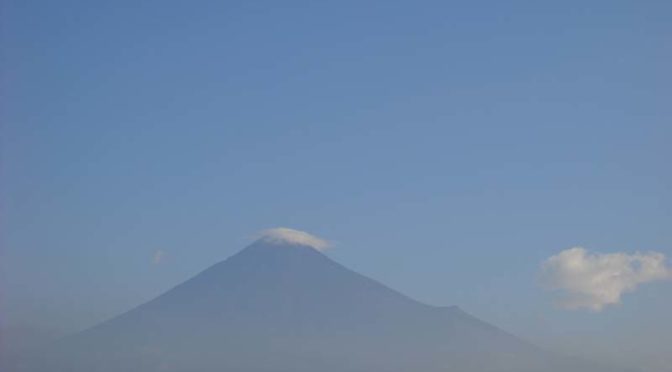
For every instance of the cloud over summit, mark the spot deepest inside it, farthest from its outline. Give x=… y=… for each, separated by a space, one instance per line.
x=284 y=235
x=595 y=280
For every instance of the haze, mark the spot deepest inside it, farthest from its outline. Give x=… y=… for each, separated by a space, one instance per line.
x=510 y=158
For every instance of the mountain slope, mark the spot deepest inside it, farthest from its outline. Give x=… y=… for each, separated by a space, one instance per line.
x=287 y=307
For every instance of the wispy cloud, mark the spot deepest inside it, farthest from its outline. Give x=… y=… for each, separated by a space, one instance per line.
x=290 y=236
x=592 y=281
x=158 y=256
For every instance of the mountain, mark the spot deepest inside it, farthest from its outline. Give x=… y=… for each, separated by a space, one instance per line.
x=283 y=306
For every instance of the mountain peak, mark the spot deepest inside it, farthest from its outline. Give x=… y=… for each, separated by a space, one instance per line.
x=285 y=236
x=281 y=305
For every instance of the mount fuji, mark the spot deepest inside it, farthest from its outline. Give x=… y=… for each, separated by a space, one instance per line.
x=281 y=305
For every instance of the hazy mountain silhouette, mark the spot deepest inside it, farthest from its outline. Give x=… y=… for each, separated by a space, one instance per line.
x=279 y=307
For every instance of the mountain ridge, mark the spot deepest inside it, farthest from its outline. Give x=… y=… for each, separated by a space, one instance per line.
x=282 y=306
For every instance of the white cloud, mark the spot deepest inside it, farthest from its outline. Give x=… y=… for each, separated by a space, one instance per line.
x=595 y=280
x=158 y=256
x=283 y=235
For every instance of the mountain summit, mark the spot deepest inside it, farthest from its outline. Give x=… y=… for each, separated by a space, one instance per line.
x=286 y=236
x=281 y=305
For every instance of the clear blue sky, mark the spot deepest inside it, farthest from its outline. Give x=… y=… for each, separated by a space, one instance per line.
x=448 y=148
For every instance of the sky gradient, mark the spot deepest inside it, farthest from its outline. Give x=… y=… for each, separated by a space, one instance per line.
x=446 y=149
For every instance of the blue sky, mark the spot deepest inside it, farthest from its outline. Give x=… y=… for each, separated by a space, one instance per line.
x=447 y=148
